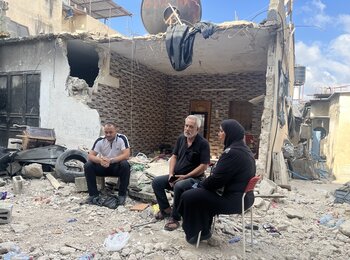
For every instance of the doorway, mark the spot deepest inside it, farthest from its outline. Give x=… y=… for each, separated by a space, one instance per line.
x=19 y=103
x=202 y=109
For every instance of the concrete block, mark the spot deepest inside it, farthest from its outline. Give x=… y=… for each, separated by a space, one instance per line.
x=80 y=184
x=17 y=182
x=5 y=213
x=143 y=196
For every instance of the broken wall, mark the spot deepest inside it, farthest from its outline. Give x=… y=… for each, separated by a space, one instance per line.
x=138 y=106
x=75 y=124
x=279 y=84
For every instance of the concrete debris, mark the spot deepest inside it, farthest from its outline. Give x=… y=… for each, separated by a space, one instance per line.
x=267 y=187
x=293 y=213
x=39 y=226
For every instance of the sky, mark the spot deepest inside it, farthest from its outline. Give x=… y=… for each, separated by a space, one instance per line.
x=322 y=34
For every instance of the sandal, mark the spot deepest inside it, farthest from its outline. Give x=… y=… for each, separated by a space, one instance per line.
x=172 y=225
x=160 y=215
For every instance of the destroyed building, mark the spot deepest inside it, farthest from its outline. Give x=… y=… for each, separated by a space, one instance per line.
x=244 y=70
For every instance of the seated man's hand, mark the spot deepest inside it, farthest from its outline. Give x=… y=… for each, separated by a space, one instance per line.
x=180 y=178
x=105 y=162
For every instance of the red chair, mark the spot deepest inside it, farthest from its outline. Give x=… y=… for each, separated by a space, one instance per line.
x=250 y=187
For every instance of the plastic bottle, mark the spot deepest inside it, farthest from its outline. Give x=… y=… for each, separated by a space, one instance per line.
x=87 y=256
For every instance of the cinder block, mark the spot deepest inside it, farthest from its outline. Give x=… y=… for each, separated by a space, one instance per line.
x=17 y=182
x=80 y=184
x=5 y=213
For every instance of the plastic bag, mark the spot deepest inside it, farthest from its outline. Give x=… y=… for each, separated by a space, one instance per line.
x=116 y=241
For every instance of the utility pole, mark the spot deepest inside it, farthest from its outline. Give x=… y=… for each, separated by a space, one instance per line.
x=3 y=26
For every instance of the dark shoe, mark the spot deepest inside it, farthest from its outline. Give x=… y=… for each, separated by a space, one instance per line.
x=121 y=200
x=160 y=215
x=172 y=225
x=90 y=200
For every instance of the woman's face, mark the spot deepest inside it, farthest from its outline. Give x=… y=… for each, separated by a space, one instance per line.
x=221 y=135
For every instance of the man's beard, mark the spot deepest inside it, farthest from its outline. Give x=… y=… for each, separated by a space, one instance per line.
x=189 y=135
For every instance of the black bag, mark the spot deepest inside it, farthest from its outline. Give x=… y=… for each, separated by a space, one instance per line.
x=111 y=202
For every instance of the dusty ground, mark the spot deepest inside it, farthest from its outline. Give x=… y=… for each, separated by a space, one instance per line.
x=50 y=224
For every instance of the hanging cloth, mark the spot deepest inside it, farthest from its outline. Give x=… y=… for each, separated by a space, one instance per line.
x=179 y=42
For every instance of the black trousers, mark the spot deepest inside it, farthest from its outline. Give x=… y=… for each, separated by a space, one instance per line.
x=198 y=207
x=120 y=169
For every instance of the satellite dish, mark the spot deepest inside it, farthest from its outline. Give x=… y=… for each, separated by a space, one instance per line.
x=155 y=13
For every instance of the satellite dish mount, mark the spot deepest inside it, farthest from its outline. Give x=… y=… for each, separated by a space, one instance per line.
x=172 y=15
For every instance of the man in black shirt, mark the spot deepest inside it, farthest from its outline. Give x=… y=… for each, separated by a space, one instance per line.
x=187 y=165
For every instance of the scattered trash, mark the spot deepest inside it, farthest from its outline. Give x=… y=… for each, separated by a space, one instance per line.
x=330 y=221
x=87 y=256
x=139 y=207
x=255 y=227
x=271 y=229
x=325 y=219
x=138 y=167
x=3 y=195
x=155 y=208
x=116 y=241
x=16 y=254
x=234 y=240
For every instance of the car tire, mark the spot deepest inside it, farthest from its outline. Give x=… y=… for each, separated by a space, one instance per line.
x=66 y=173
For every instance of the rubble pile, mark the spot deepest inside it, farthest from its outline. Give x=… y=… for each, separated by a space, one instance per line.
x=49 y=223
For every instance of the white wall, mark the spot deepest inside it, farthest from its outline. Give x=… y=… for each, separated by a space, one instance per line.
x=75 y=124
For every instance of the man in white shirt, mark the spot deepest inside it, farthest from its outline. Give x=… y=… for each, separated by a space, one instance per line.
x=108 y=157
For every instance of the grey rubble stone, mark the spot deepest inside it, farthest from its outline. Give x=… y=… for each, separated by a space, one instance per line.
x=267 y=187
x=184 y=254
x=66 y=250
x=294 y=213
x=33 y=170
x=345 y=228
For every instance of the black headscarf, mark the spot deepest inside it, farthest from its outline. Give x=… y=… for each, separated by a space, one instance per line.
x=234 y=135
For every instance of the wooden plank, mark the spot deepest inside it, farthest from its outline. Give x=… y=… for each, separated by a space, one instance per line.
x=139 y=207
x=279 y=168
x=53 y=181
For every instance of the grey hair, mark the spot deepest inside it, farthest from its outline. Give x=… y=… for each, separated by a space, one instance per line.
x=196 y=119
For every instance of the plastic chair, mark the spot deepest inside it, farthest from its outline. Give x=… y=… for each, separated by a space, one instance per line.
x=250 y=187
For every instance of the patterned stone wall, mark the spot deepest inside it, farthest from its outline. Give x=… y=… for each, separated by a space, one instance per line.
x=137 y=106
x=182 y=89
x=150 y=107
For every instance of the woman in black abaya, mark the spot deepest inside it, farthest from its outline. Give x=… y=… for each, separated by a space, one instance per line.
x=222 y=191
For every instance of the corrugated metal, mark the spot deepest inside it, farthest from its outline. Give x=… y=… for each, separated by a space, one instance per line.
x=100 y=9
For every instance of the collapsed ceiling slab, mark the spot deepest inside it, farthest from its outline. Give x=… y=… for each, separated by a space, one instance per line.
x=233 y=48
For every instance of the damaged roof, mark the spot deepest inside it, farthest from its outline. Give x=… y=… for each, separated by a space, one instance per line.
x=234 y=47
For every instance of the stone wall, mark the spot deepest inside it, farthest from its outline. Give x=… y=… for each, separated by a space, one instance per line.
x=182 y=89
x=150 y=107
x=137 y=106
